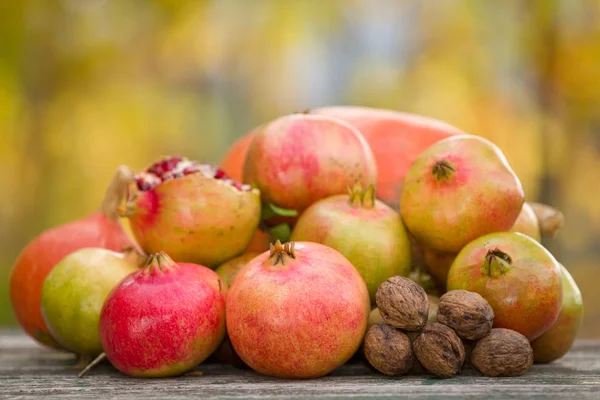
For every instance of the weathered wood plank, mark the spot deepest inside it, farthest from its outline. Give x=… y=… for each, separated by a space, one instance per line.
x=28 y=370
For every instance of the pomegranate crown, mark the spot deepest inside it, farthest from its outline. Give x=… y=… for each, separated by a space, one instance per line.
x=279 y=252
x=497 y=263
x=359 y=197
x=442 y=169
x=159 y=263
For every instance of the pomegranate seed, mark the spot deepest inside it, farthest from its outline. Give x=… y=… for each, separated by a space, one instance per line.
x=146 y=182
x=190 y=170
x=236 y=185
x=220 y=174
x=164 y=166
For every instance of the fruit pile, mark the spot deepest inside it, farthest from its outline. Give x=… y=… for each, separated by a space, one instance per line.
x=321 y=236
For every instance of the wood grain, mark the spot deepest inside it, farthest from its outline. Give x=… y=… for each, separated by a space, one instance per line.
x=29 y=371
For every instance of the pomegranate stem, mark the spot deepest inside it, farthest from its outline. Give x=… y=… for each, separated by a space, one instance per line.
x=117 y=191
x=91 y=365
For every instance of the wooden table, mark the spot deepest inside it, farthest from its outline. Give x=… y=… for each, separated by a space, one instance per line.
x=28 y=370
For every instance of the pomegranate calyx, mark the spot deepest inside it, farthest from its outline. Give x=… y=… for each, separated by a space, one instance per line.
x=442 y=169
x=359 y=197
x=160 y=263
x=279 y=252
x=497 y=263
x=117 y=190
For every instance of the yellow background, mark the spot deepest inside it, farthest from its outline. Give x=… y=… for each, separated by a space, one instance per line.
x=88 y=84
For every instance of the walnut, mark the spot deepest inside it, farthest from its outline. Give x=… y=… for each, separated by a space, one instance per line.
x=439 y=350
x=503 y=352
x=402 y=303
x=469 y=314
x=388 y=350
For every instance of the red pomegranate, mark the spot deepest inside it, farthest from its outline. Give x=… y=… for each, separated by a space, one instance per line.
x=100 y=229
x=395 y=138
x=163 y=320
x=192 y=211
x=297 y=311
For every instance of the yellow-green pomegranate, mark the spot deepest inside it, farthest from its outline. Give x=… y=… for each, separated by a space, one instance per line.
x=369 y=233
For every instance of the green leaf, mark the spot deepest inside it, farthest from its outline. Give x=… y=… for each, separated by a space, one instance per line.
x=281 y=232
x=270 y=210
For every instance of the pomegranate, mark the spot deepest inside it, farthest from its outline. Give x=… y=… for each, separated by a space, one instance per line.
x=527 y=223
x=457 y=190
x=297 y=311
x=233 y=162
x=228 y=270
x=395 y=138
x=518 y=277
x=299 y=159
x=163 y=320
x=73 y=295
x=100 y=229
x=557 y=340
x=260 y=242
x=192 y=211
x=365 y=230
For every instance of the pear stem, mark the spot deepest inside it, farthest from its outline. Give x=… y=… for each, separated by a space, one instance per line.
x=442 y=170
x=497 y=263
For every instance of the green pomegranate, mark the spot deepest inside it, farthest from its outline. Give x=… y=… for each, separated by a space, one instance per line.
x=557 y=340
x=73 y=295
x=366 y=231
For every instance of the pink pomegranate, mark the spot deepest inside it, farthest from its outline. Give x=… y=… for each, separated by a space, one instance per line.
x=299 y=159
x=192 y=211
x=163 y=320
x=100 y=229
x=457 y=190
x=297 y=311
x=365 y=230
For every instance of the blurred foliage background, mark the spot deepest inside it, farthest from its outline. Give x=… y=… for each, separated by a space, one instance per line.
x=86 y=85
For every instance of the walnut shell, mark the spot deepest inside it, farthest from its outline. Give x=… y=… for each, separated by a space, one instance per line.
x=503 y=352
x=402 y=303
x=388 y=350
x=439 y=350
x=469 y=314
